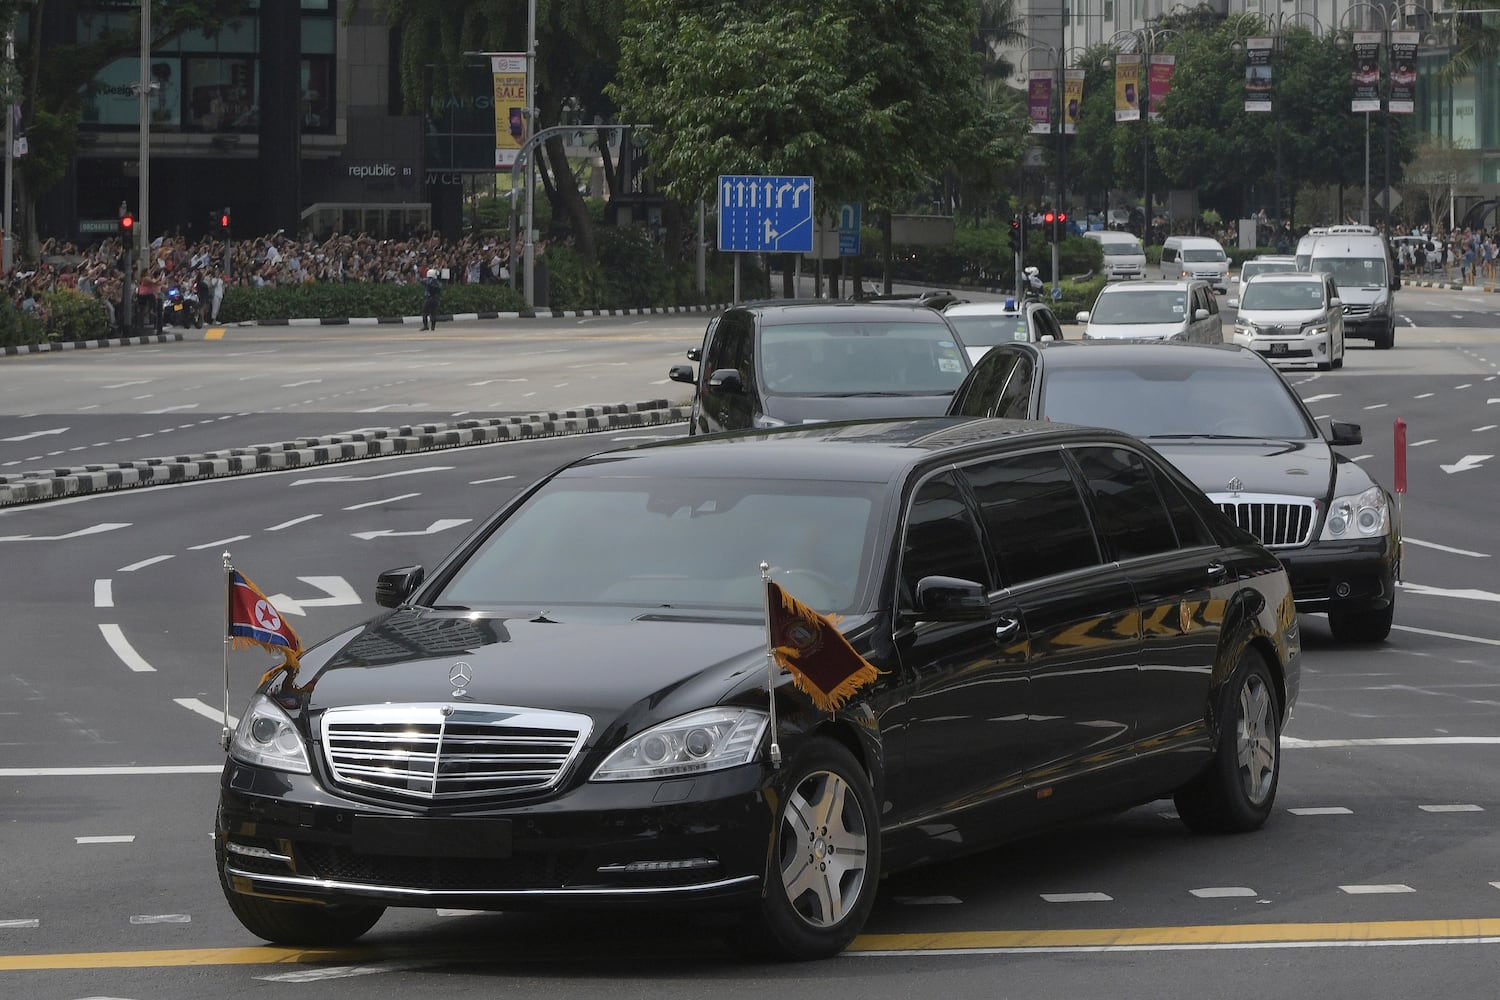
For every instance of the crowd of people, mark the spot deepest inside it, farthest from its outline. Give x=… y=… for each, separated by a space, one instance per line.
x=206 y=268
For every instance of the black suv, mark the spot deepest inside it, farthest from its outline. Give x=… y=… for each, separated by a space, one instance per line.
x=765 y=364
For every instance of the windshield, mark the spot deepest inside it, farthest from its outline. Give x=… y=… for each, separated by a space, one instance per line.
x=1177 y=401
x=892 y=356
x=1300 y=295
x=1123 y=250
x=1253 y=267
x=987 y=331
x=1203 y=256
x=674 y=542
x=1349 y=272
x=1154 y=306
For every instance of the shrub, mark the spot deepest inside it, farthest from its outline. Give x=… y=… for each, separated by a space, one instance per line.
x=73 y=315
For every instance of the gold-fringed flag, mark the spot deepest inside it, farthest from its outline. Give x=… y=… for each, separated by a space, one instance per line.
x=809 y=646
x=253 y=621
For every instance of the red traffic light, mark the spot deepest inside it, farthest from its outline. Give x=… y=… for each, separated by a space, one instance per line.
x=127 y=222
x=1062 y=216
x=224 y=221
x=1049 y=218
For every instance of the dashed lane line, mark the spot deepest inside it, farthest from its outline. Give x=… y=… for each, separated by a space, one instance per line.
x=122 y=648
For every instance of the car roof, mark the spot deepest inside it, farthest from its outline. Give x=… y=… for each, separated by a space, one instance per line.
x=1291 y=276
x=1150 y=285
x=1007 y=307
x=874 y=451
x=1139 y=353
x=777 y=311
x=1273 y=258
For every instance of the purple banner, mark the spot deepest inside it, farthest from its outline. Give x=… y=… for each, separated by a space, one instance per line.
x=1159 y=81
x=1039 y=99
x=1366 y=71
x=1403 y=100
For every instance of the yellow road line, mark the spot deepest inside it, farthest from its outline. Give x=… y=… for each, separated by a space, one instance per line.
x=214 y=333
x=1481 y=930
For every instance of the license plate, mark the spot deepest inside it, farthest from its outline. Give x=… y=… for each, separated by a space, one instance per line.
x=432 y=836
x=1278 y=348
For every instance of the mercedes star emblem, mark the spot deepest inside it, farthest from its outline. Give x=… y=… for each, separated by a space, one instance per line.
x=459 y=675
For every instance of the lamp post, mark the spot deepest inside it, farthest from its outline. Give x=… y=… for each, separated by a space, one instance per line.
x=143 y=94
x=1147 y=42
x=1384 y=40
x=1056 y=126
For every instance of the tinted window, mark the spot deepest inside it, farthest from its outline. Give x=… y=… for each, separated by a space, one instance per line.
x=1036 y=520
x=1132 y=520
x=1298 y=295
x=984 y=385
x=987 y=331
x=1353 y=272
x=895 y=355
x=1190 y=528
x=941 y=537
x=730 y=346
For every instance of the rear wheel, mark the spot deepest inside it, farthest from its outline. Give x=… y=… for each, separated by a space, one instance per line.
x=1362 y=624
x=1235 y=794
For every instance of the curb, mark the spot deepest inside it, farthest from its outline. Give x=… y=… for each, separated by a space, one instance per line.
x=38 y=485
x=84 y=345
x=469 y=317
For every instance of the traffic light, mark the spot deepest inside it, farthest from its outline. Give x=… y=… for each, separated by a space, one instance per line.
x=1015 y=235
x=127 y=222
x=1062 y=226
x=224 y=220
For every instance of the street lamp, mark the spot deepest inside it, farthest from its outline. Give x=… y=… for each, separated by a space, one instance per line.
x=1380 y=43
x=1146 y=42
x=1058 y=126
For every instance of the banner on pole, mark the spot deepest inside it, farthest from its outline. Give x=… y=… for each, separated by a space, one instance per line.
x=1039 y=99
x=1072 y=99
x=1127 y=82
x=1403 y=99
x=1259 y=92
x=1366 y=71
x=1159 y=81
x=511 y=102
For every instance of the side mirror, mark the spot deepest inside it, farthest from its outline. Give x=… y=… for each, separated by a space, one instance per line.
x=727 y=380
x=394 y=586
x=1082 y=317
x=1341 y=433
x=682 y=373
x=696 y=354
x=1233 y=303
x=1335 y=302
x=1200 y=314
x=949 y=599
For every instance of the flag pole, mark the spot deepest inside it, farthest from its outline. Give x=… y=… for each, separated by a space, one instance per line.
x=765 y=579
x=228 y=603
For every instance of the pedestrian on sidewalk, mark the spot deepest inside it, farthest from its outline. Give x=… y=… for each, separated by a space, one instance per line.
x=432 y=290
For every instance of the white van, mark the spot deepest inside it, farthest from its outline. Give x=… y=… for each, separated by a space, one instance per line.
x=1124 y=256
x=1360 y=262
x=1305 y=245
x=1188 y=258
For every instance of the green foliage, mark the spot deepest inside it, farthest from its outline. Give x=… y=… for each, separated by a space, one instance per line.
x=72 y=315
x=14 y=326
x=334 y=300
x=1077 y=296
x=572 y=282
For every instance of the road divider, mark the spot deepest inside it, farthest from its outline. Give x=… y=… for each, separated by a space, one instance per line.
x=51 y=484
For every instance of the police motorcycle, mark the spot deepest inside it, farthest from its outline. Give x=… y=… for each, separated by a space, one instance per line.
x=180 y=307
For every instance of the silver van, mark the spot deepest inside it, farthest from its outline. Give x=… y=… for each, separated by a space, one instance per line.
x=1124 y=257
x=1360 y=262
x=1155 y=310
x=1189 y=258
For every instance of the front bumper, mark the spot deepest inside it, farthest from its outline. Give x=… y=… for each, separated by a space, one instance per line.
x=1316 y=349
x=1366 y=327
x=691 y=840
x=1355 y=575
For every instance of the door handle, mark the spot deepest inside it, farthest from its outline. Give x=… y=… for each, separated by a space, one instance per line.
x=1005 y=628
x=1217 y=570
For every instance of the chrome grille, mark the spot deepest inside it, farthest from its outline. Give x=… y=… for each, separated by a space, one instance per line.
x=1356 y=310
x=1279 y=522
x=448 y=752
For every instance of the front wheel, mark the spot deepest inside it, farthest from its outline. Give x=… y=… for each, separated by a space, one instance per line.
x=1362 y=624
x=304 y=925
x=825 y=860
x=1235 y=794
x=1386 y=339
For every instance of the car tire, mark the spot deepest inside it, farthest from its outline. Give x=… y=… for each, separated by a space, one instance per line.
x=1386 y=339
x=1362 y=624
x=304 y=925
x=1236 y=792
x=824 y=866
x=1325 y=366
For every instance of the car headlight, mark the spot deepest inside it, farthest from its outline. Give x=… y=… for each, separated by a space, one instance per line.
x=1315 y=330
x=711 y=740
x=1242 y=330
x=1380 y=308
x=265 y=737
x=1364 y=516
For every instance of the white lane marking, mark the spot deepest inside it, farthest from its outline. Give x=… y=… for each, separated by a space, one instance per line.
x=377 y=503
x=1447 y=635
x=483 y=482
x=144 y=563
x=97 y=529
x=1468 y=594
x=370 y=479
x=1418 y=444
x=172 y=409
x=298 y=385
x=126 y=838
x=1373 y=890
x=1319 y=810
x=207 y=711
x=1321 y=397
x=1293 y=743
x=104 y=594
x=1444 y=548
x=1486 y=427
x=339 y=592
x=928 y=900
x=338 y=972
x=126 y=385
x=1466 y=464
x=1466 y=385
x=161 y=918
x=219 y=542
x=37 y=434
x=1377 y=406
x=1224 y=892
x=34 y=922
x=108 y=772
x=1455 y=808
x=442 y=524
x=124 y=650
x=1077 y=897
x=1424 y=395
x=294 y=521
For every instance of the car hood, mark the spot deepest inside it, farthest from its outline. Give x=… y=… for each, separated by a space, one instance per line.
x=1277 y=468
x=603 y=667
x=805 y=409
x=1134 y=331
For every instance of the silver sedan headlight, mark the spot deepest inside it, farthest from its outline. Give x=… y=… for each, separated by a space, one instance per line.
x=710 y=740
x=266 y=738
x=1315 y=330
x=1366 y=515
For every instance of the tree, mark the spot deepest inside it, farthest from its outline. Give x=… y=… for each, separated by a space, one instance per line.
x=1440 y=165
x=1476 y=39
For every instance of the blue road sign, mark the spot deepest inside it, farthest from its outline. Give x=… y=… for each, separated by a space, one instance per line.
x=766 y=214
x=849 y=212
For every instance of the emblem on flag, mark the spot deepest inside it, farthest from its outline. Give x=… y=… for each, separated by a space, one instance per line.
x=254 y=621
x=812 y=649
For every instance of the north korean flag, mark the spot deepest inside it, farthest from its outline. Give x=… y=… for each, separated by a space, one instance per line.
x=253 y=619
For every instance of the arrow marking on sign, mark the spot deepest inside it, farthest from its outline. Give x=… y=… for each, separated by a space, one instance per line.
x=369 y=479
x=442 y=524
x=1466 y=463
x=94 y=530
x=337 y=588
x=37 y=434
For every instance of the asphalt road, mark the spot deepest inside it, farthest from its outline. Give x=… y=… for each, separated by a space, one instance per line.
x=1378 y=875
